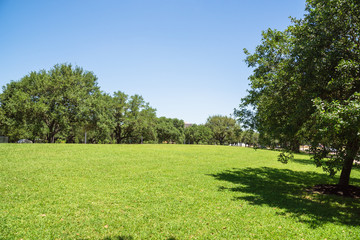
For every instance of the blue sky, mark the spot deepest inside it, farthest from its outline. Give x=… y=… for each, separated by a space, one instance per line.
x=184 y=57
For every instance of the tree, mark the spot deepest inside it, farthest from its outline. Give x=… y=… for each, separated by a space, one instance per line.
x=135 y=120
x=274 y=92
x=46 y=103
x=99 y=120
x=170 y=130
x=198 y=134
x=223 y=128
x=2 y=119
x=249 y=137
x=306 y=84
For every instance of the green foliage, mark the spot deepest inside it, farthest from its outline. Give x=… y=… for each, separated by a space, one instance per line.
x=134 y=119
x=170 y=130
x=198 y=134
x=305 y=85
x=249 y=137
x=66 y=103
x=285 y=157
x=46 y=103
x=223 y=128
x=99 y=122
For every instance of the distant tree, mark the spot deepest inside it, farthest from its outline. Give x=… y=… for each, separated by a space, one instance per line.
x=120 y=108
x=250 y=137
x=170 y=130
x=99 y=119
x=46 y=103
x=134 y=119
x=223 y=128
x=2 y=120
x=180 y=126
x=143 y=118
x=198 y=134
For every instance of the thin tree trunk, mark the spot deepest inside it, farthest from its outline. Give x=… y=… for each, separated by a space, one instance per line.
x=352 y=149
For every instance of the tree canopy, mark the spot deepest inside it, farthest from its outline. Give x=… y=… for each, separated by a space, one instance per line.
x=65 y=104
x=223 y=128
x=306 y=83
x=47 y=103
x=170 y=130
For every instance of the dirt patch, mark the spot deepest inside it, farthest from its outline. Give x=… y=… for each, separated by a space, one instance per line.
x=348 y=191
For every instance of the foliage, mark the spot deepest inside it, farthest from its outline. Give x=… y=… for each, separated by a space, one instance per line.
x=305 y=85
x=223 y=129
x=249 y=137
x=134 y=119
x=65 y=103
x=170 y=130
x=45 y=103
x=198 y=134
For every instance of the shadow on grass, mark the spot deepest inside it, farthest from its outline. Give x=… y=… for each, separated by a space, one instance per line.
x=286 y=189
x=356 y=167
x=128 y=238
x=304 y=161
x=310 y=161
x=119 y=238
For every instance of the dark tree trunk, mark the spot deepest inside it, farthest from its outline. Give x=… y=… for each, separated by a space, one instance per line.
x=51 y=138
x=53 y=130
x=70 y=139
x=295 y=146
x=118 y=134
x=352 y=149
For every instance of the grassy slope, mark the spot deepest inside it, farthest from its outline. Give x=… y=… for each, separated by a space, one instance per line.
x=166 y=192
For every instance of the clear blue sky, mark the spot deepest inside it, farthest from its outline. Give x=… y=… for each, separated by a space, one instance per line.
x=185 y=57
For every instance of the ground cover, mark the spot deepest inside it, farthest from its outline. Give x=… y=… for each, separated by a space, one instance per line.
x=64 y=191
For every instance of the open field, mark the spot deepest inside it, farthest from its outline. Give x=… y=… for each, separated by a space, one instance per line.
x=166 y=192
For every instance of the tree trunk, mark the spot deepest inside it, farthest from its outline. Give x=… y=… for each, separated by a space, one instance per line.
x=118 y=134
x=70 y=139
x=295 y=146
x=352 y=149
x=51 y=138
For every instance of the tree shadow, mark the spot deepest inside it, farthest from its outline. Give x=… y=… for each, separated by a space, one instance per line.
x=312 y=162
x=304 y=161
x=127 y=238
x=356 y=167
x=285 y=190
x=119 y=238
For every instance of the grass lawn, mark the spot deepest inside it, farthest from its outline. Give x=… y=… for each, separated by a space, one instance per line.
x=63 y=191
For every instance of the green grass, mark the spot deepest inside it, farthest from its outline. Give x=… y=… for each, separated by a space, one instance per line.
x=166 y=192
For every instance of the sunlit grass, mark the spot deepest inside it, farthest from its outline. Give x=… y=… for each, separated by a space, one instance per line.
x=166 y=192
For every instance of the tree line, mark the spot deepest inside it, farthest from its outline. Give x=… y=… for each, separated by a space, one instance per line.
x=65 y=104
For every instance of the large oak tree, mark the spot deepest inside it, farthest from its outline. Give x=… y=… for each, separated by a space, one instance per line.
x=46 y=103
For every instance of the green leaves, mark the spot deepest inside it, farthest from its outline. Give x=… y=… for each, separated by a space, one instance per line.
x=170 y=130
x=223 y=128
x=134 y=119
x=306 y=83
x=47 y=103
